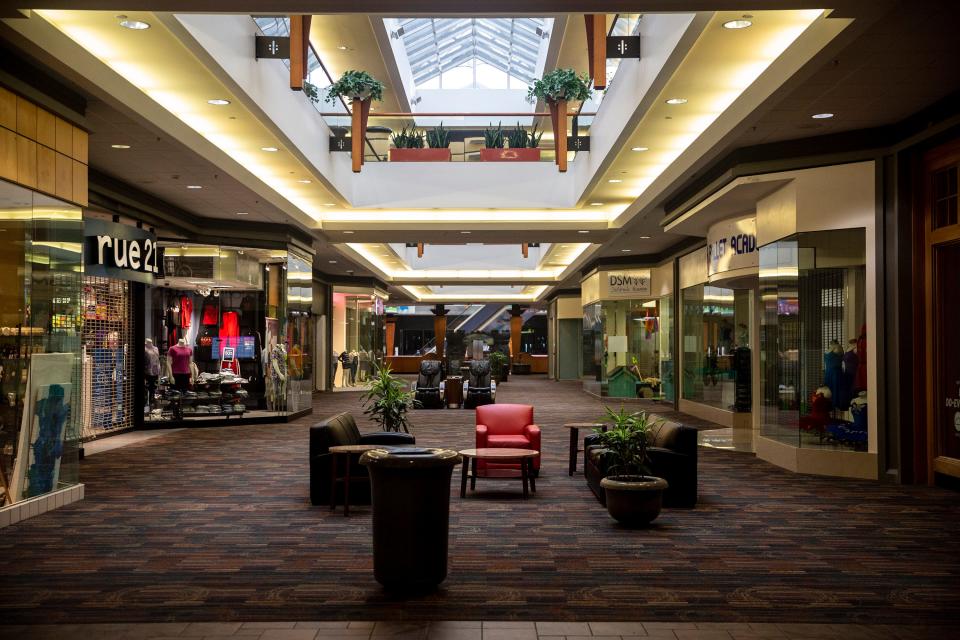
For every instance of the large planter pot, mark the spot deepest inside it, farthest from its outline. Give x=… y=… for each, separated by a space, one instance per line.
x=524 y=154
x=634 y=500
x=420 y=155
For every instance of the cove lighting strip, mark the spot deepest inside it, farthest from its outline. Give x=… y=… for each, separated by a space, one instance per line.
x=421 y=294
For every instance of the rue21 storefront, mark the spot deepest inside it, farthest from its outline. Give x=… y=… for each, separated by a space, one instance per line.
x=113 y=250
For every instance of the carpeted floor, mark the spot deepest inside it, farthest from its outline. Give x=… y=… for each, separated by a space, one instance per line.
x=215 y=524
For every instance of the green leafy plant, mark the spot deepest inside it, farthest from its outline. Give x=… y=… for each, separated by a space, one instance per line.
x=498 y=361
x=405 y=140
x=493 y=138
x=560 y=84
x=388 y=401
x=533 y=140
x=518 y=137
x=626 y=440
x=438 y=137
x=352 y=84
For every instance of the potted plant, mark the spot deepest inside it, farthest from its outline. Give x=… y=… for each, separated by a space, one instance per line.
x=524 y=146
x=360 y=88
x=633 y=498
x=498 y=365
x=388 y=401
x=493 y=143
x=557 y=88
x=409 y=147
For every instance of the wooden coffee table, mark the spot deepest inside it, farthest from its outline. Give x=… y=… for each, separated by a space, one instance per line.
x=347 y=452
x=524 y=456
x=574 y=428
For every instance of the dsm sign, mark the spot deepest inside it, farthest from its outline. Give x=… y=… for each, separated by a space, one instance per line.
x=632 y=283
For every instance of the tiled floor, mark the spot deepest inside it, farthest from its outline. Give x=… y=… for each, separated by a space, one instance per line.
x=476 y=630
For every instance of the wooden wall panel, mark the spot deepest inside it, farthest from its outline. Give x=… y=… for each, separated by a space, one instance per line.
x=8 y=110
x=64 y=184
x=27 y=162
x=42 y=151
x=26 y=118
x=8 y=155
x=46 y=169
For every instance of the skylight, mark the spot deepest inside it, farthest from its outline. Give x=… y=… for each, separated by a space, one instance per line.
x=480 y=53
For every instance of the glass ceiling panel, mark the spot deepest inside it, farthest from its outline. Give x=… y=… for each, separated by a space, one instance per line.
x=437 y=45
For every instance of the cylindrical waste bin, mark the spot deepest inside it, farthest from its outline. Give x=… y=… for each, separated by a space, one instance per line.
x=410 y=493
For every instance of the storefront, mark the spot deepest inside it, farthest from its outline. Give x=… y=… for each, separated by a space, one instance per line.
x=229 y=336
x=626 y=344
x=41 y=269
x=358 y=335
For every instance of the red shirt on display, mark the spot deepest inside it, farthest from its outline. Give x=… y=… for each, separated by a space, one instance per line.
x=180 y=358
x=230 y=329
x=186 y=311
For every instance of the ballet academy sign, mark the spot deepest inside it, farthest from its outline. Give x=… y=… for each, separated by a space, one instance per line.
x=113 y=250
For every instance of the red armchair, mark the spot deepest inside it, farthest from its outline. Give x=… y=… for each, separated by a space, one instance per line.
x=507 y=426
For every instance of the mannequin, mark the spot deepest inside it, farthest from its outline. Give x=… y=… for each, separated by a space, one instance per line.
x=833 y=367
x=820 y=406
x=860 y=380
x=850 y=363
x=180 y=357
x=278 y=376
x=345 y=368
x=151 y=368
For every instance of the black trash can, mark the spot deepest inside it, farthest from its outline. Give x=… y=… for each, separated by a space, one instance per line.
x=410 y=493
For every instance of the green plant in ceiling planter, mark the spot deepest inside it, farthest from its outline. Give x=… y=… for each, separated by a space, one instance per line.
x=405 y=140
x=518 y=137
x=534 y=139
x=354 y=84
x=493 y=138
x=561 y=84
x=438 y=138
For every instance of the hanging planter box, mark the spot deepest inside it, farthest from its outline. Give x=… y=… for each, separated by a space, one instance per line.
x=525 y=154
x=420 y=155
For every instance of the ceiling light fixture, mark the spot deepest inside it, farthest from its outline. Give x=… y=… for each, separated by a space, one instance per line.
x=331 y=261
x=330 y=204
x=676 y=101
x=135 y=25
x=343 y=47
x=596 y=204
x=737 y=24
x=270 y=149
x=348 y=232
x=644 y=237
x=218 y=102
x=194 y=186
x=821 y=116
x=583 y=231
x=640 y=149
x=465 y=232
x=304 y=181
x=614 y=180
x=626 y=250
x=243 y=213
x=119 y=146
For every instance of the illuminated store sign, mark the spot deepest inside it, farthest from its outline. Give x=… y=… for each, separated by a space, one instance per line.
x=628 y=283
x=731 y=245
x=112 y=250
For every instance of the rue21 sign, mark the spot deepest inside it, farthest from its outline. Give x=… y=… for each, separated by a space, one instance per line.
x=112 y=250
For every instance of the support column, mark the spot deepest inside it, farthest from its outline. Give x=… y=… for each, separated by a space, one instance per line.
x=391 y=331
x=440 y=328
x=299 y=45
x=558 y=118
x=516 y=326
x=358 y=131
x=596 y=24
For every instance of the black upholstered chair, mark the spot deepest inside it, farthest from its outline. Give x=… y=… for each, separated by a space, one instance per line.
x=428 y=389
x=342 y=429
x=479 y=388
x=672 y=449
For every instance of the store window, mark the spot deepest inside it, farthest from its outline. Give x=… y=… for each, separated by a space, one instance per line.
x=715 y=342
x=358 y=337
x=668 y=385
x=300 y=332
x=621 y=348
x=40 y=321
x=813 y=340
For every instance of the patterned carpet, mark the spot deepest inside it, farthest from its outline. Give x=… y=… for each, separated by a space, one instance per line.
x=214 y=524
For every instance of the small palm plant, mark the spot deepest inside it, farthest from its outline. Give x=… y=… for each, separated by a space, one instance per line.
x=626 y=441
x=388 y=401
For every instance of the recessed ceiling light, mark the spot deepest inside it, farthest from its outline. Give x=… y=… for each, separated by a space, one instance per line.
x=304 y=181
x=596 y=204
x=626 y=250
x=331 y=204
x=136 y=25
x=349 y=270
x=615 y=180
x=677 y=101
x=465 y=232
x=194 y=186
x=331 y=261
x=737 y=24
x=640 y=149
x=243 y=213
x=270 y=149
x=349 y=232
x=644 y=237
x=119 y=146
x=218 y=102
x=343 y=47
x=583 y=231
x=821 y=116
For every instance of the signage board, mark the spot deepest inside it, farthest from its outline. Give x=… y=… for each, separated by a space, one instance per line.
x=731 y=245
x=625 y=284
x=578 y=143
x=272 y=47
x=339 y=144
x=113 y=250
x=623 y=46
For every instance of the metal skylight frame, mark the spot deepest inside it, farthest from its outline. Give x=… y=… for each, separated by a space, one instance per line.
x=437 y=45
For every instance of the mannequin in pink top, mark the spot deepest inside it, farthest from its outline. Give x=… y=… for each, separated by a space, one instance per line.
x=180 y=357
